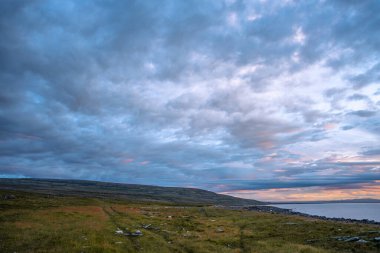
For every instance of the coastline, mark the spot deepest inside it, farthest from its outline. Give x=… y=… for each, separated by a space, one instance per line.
x=277 y=210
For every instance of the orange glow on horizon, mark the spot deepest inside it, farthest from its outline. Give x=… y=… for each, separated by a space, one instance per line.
x=369 y=190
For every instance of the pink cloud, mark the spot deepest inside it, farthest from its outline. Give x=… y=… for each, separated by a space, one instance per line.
x=127 y=161
x=364 y=190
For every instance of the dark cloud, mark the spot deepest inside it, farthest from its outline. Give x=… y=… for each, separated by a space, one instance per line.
x=186 y=93
x=364 y=113
x=371 y=152
x=300 y=183
x=357 y=97
x=345 y=128
x=369 y=76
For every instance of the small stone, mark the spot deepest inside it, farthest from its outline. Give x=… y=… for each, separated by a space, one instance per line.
x=119 y=231
x=352 y=239
x=219 y=230
x=137 y=233
x=146 y=226
x=361 y=241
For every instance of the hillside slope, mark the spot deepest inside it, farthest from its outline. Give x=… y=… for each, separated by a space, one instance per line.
x=84 y=188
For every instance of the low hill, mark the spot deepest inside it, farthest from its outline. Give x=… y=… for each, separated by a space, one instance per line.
x=84 y=188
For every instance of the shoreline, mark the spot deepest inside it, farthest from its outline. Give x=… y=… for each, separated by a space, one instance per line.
x=277 y=210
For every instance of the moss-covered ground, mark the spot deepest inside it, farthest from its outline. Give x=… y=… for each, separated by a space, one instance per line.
x=43 y=223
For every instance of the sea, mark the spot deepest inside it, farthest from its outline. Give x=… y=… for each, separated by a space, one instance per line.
x=359 y=211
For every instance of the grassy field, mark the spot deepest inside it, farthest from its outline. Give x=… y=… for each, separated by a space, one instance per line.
x=35 y=222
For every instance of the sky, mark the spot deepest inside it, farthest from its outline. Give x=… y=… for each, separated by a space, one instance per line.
x=269 y=100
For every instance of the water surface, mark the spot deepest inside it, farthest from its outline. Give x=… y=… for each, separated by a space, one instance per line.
x=359 y=211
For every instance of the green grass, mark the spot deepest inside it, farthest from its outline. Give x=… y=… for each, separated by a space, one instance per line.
x=38 y=223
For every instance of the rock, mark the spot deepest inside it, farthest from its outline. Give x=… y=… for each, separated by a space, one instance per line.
x=119 y=231
x=136 y=233
x=338 y=238
x=219 y=230
x=118 y=242
x=146 y=226
x=352 y=239
x=346 y=238
x=169 y=217
x=361 y=241
x=377 y=239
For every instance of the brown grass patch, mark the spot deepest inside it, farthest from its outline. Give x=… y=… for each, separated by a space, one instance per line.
x=126 y=209
x=26 y=224
x=94 y=211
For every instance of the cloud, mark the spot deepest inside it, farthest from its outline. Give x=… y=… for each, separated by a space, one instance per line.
x=352 y=191
x=371 y=152
x=190 y=93
x=369 y=76
x=364 y=113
